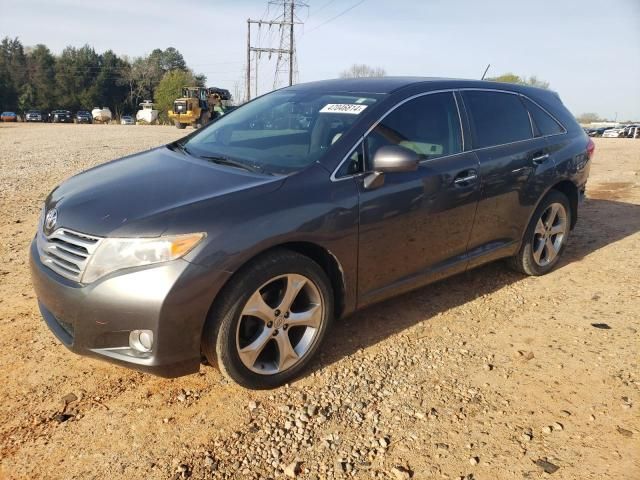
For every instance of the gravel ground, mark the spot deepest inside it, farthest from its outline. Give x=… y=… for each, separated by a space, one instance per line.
x=487 y=375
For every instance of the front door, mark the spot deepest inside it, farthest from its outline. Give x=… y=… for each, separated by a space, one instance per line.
x=415 y=227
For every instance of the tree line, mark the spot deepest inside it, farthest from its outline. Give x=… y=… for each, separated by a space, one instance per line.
x=81 y=78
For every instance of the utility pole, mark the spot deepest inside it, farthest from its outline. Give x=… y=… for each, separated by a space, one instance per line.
x=256 y=79
x=258 y=50
x=291 y=49
x=248 y=59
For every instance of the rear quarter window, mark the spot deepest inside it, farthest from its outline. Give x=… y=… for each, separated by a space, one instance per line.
x=496 y=118
x=543 y=122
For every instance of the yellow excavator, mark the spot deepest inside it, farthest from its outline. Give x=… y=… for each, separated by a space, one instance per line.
x=198 y=106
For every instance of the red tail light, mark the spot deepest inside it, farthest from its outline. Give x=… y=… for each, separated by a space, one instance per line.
x=591 y=148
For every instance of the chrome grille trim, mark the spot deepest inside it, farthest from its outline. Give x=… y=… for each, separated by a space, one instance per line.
x=67 y=252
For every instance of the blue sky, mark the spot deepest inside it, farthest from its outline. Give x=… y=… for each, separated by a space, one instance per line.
x=589 y=50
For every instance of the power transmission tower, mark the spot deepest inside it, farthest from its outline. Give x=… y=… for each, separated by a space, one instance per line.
x=286 y=50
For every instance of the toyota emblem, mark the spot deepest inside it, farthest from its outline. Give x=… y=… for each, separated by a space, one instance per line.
x=50 y=220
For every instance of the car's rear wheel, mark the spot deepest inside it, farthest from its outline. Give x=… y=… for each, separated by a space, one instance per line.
x=180 y=126
x=546 y=236
x=270 y=320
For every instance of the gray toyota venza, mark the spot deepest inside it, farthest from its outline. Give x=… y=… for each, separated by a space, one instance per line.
x=242 y=242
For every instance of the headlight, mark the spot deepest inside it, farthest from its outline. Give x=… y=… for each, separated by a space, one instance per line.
x=118 y=253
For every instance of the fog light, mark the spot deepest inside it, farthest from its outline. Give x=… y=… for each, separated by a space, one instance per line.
x=141 y=340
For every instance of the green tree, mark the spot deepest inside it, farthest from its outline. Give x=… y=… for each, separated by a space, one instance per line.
x=41 y=71
x=80 y=78
x=76 y=72
x=167 y=60
x=13 y=72
x=110 y=90
x=7 y=92
x=509 y=77
x=26 y=100
x=170 y=88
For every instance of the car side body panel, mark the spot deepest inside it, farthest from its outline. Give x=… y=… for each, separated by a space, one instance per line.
x=328 y=218
x=417 y=228
x=414 y=229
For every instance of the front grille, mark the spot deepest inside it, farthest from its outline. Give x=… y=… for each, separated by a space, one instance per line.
x=66 y=252
x=180 y=107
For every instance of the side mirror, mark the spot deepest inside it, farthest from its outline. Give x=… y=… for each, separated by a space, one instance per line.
x=389 y=159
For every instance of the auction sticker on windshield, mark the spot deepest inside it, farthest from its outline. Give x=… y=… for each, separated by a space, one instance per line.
x=351 y=108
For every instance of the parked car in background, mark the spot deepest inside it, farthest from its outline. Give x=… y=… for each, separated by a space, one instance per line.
x=613 y=133
x=83 y=116
x=127 y=120
x=597 y=132
x=61 y=116
x=244 y=240
x=630 y=131
x=8 y=117
x=35 y=116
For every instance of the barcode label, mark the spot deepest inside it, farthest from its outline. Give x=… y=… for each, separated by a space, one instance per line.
x=351 y=108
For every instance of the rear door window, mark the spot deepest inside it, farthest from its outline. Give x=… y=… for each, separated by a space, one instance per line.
x=543 y=122
x=496 y=118
x=429 y=125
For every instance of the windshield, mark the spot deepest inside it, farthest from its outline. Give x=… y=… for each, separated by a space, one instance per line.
x=281 y=132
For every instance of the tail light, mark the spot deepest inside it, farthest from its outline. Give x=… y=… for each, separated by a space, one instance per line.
x=591 y=148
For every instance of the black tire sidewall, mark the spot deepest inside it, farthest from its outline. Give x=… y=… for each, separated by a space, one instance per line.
x=231 y=305
x=528 y=263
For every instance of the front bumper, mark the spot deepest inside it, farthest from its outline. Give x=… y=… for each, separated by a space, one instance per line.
x=188 y=117
x=171 y=299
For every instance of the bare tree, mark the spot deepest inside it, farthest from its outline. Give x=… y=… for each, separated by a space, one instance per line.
x=588 y=117
x=362 y=70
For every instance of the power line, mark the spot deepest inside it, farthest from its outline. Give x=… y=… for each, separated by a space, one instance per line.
x=323 y=7
x=337 y=16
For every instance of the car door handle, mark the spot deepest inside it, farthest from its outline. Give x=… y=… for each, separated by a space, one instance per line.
x=465 y=178
x=538 y=159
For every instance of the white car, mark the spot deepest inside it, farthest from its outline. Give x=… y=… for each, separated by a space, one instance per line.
x=631 y=131
x=612 y=133
x=127 y=120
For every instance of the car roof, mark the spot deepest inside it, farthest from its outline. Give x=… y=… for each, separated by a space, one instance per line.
x=392 y=84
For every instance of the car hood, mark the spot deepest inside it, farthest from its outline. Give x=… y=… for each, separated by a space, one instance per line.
x=141 y=195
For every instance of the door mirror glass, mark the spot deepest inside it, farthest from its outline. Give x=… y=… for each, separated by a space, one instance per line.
x=394 y=158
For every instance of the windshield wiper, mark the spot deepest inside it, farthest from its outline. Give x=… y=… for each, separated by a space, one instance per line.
x=178 y=146
x=232 y=163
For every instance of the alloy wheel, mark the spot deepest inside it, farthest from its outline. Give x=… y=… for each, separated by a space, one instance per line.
x=549 y=234
x=279 y=324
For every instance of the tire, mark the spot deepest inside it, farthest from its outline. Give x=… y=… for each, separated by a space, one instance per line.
x=248 y=348
x=180 y=126
x=546 y=236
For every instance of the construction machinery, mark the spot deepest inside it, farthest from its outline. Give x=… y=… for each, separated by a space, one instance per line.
x=198 y=106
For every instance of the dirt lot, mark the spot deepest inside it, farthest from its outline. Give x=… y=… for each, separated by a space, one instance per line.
x=477 y=377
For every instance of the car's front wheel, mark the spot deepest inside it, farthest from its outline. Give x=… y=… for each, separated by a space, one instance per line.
x=546 y=236
x=270 y=320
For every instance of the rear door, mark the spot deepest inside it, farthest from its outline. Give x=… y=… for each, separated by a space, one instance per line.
x=515 y=168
